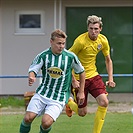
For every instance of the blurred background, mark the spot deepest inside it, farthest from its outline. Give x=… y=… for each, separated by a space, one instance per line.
x=26 y=25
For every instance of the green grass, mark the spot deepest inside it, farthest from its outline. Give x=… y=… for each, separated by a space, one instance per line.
x=114 y=123
x=11 y=101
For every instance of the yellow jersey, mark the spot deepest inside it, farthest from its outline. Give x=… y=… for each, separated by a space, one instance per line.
x=87 y=50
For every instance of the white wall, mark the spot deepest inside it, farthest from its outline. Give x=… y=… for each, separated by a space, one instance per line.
x=0 y=51
x=19 y=50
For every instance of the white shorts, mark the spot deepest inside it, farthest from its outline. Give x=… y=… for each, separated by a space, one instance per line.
x=42 y=105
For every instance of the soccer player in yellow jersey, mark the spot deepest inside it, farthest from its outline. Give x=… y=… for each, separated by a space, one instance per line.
x=86 y=46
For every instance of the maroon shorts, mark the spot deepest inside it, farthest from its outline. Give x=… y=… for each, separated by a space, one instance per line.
x=95 y=86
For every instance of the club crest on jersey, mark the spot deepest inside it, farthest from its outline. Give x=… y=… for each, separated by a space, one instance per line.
x=99 y=46
x=55 y=72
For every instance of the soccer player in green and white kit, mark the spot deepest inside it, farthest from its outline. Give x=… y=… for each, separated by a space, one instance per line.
x=56 y=64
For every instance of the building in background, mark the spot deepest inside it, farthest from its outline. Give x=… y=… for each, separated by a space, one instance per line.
x=25 y=27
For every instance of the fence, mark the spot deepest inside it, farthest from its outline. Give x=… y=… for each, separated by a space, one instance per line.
x=39 y=76
x=123 y=81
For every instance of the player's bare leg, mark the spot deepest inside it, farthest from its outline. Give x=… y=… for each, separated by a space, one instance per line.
x=26 y=123
x=82 y=111
x=47 y=121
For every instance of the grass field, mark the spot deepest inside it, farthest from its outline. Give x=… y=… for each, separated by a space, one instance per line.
x=114 y=123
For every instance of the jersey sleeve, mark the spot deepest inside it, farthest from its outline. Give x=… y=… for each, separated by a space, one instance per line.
x=36 y=64
x=76 y=65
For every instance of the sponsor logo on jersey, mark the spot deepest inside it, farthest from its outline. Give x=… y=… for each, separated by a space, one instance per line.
x=99 y=46
x=55 y=72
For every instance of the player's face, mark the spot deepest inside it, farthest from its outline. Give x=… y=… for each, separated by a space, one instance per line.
x=94 y=30
x=57 y=45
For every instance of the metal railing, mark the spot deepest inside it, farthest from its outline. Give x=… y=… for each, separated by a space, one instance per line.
x=39 y=76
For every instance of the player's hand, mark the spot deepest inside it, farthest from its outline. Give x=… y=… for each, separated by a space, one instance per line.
x=75 y=84
x=31 y=80
x=80 y=97
x=111 y=84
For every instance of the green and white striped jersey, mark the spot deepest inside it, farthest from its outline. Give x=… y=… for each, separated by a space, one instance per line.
x=56 y=73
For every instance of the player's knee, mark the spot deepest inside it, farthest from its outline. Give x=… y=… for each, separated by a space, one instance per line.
x=47 y=121
x=104 y=103
x=46 y=124
x=82 y=113
x=28 y=120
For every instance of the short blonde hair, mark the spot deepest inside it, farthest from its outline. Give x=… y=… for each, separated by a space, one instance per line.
x=94 y=19
x=58 y=33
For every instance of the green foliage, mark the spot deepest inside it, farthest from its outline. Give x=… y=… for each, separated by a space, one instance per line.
x=114 y=123
x=11 y=101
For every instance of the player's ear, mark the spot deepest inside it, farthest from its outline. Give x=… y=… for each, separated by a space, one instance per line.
x=100 y=29
x=51 y=41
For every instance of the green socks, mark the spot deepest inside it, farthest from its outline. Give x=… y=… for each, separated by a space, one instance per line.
x=44 y=130
x=24 y=127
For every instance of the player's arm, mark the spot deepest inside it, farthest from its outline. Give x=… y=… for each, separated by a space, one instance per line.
x=109 y=67
x=80 y=94
x=34 y=68
x=79 y=69
x=31 y=78
x=75 y=83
